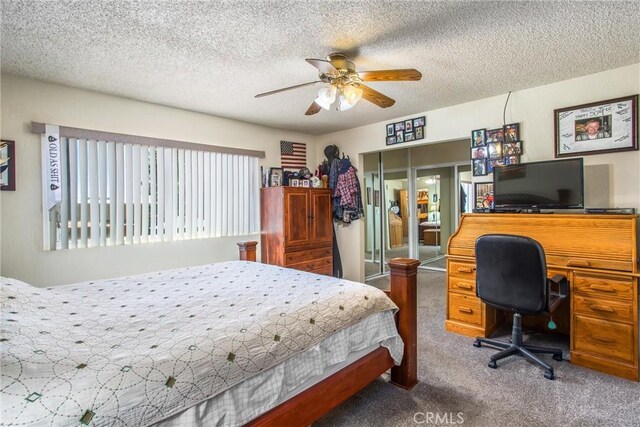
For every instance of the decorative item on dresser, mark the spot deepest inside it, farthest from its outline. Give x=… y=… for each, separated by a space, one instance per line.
x=597 y=254
x=297 y=229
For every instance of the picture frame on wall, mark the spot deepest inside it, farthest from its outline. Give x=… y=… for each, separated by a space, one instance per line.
x=390 y=130
x=478 y=138
x=478 y=153
x=275 y=177
x=483 y=195
x=419 y=122
x=408 y=126
x=399 y=136
x=494 y=150
x=512 y=132
x=410 y=136
x=419 y=132
x=598 y=127
x=512 y=148
x=479 y=167
x=391 y=140
x=494 y=135
x=7 y=165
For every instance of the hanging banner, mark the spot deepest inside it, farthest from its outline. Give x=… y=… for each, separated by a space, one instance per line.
x=51 y=164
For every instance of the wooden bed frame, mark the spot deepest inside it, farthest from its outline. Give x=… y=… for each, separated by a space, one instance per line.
x=313 y=403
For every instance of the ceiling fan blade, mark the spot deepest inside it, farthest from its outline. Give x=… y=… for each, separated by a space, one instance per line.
x=324 y=66
x=390 y=75
x=313 y=109
x=376 y=97
x=286 y=88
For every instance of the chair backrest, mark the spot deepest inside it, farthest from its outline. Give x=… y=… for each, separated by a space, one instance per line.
x=511 y=273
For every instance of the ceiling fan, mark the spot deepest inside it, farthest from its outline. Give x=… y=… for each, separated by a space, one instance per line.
x=344 y=83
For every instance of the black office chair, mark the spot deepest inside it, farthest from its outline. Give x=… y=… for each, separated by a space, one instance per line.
x=511 y=274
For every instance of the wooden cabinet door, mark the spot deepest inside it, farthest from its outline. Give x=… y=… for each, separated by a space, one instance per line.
x=321 y=221
x=297 y=217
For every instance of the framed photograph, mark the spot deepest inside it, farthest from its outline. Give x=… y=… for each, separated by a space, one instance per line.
x=512 y=132
x=479 y=167
x=511 y=160
x=275 y=177
x=409 y=136
x=418 y=122
x=305 y=183
x=419 y=132
x=599 y=127
x=478 y=137
x=391 y=140
x=399 y=137
x=7 y=165
x=478 y=153
x=484 y=194
x=494 y=135
x=512 y=148
x=399 y=126
x=495 y=150
x=295 y=182
x=408 y=126
x=390 y=129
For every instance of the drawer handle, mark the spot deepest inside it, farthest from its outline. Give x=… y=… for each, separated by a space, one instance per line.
x=310 y=265
x=290 y=258
x=603 y=339
x=466 y=269
x=465 y=310
x=602 y=288
x=464 y=286
x=606 y=308
x=578 y=263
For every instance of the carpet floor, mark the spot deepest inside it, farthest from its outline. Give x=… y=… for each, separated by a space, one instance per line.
x=457 y=387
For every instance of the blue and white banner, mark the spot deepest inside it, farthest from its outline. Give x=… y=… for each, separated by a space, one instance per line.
x=51 y=164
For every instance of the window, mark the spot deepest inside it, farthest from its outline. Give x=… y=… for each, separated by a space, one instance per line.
x=121 y=193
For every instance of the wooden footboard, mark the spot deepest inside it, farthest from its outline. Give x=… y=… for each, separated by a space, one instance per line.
x=316 y=401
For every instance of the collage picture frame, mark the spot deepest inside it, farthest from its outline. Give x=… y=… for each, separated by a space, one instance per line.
x=491 y=148
x=406 y=130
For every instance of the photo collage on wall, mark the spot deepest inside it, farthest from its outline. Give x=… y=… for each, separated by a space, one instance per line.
x=491 y=148
x=406 y=130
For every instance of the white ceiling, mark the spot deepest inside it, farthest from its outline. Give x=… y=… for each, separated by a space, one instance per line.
x=214 y=57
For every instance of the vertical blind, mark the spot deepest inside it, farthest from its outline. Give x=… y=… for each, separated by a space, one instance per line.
x=117 y=193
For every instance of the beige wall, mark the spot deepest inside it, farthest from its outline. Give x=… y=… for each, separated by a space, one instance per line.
x=24 y=100
x=618 y=173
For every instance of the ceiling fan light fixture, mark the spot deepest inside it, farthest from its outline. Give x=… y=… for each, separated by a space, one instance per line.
x=326 y=97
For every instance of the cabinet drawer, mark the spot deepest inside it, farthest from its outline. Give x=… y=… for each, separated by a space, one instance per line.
x=465 y=308
x=316 y=264
x=312 y=254
x=325 y=271
x=465 y=285
x=604 y=286
x=604 y=337
x=462 y=269
x=604 y=309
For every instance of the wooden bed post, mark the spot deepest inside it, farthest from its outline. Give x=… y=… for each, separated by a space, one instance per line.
x=404 y=294
x=247 y=250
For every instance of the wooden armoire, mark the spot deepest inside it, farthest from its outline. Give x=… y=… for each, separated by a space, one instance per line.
x=297 y=228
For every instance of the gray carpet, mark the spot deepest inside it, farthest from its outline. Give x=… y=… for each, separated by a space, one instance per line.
x=425 y=253
x=454 y=378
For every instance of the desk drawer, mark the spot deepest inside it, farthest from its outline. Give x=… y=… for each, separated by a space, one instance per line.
x=462 y=269
x=465 y=285
x=465 y=308
x=604 y=309
x=308 y=255
x=604 y=337
x=318 y=264
x=601 y=286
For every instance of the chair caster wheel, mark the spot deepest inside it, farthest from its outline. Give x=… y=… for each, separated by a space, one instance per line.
x=549 y=375
x=477 y=343
x=557 y=357
x=493 y=364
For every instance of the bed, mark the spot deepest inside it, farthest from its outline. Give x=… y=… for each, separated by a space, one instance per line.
x=223 y=344
x=429 y=231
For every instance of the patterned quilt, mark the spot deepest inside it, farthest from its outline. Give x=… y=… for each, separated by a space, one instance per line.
x=135 y=350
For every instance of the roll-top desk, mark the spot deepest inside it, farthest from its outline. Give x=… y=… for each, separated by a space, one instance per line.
x=597 y=253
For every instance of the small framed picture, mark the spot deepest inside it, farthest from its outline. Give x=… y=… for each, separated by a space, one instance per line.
x=390 y=129
x=496 y=163
x=484 y=194
x=478 y=153
x=294 y=182
x=479 y=167
x=511 y=160
x=306 y=183
x=275 y=177
x=512 y=148
x=399 y=126
x=399 y=137
x=408 y=126
x=494 y=135
x=419 y=122
x=495 y=150
x=512 y=132
x=490 y=166
x=391 y=140
x=7 y=165
x=478 y=138
x=419 y=132
x=409 y=136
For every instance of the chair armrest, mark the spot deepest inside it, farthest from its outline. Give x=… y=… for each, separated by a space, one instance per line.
x=558 y=290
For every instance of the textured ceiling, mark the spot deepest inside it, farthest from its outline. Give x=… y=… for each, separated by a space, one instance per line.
x=214 y=57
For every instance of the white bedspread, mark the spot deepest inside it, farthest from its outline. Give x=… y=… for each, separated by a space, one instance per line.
x=135 y=350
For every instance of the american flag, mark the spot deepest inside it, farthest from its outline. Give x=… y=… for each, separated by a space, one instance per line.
x=293 y=155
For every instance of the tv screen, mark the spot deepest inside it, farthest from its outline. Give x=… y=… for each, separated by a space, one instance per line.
x=539 y=185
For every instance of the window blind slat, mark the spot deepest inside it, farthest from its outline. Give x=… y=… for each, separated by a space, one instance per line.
x=83 y=191
x=200 y=192
x=120 y=194
x=153 y=195
x=102 y=190
x=174 y=191
x=168 y=195
x=207 y=195
x=144 y=193
x=64 y=203
x=112 y=182
x=94 y=200
x=160 y=192
x=194 y=194
x=181 y=195
x=128 y=192
x=73 y=191
x=224 y=200
x=136 y=186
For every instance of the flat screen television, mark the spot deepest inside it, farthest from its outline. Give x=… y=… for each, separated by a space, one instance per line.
x=556 y=184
